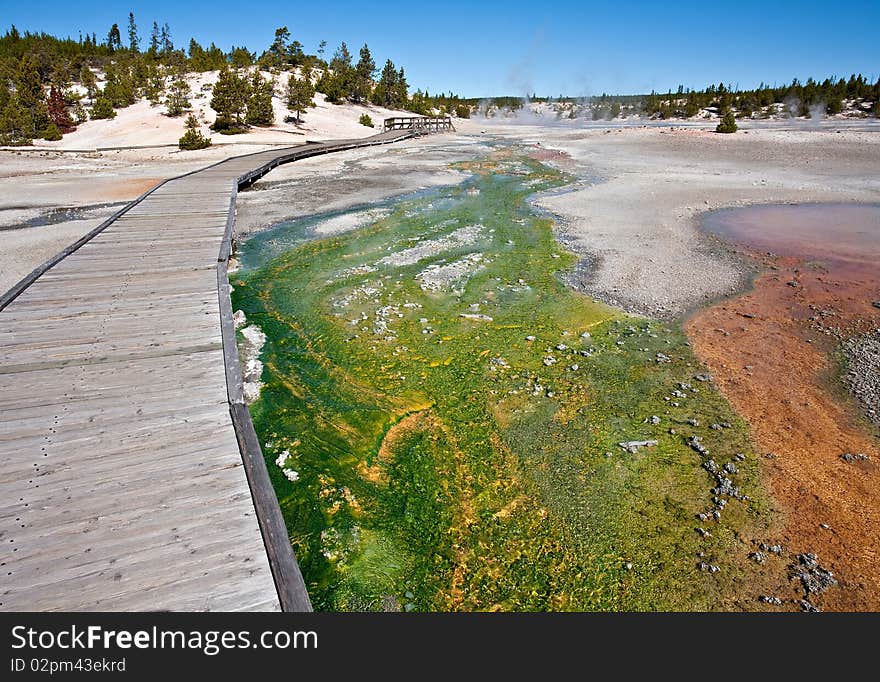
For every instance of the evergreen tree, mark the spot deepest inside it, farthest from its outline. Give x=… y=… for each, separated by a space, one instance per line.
x=114 y=39
x=240 y=57
x=134 y=42
x=5 y=94
x=322 y=48
x=16 y=127
x=102 y=108
x=167 y=44
x=277 y=52
x=259 y=106
x=88 y=81
x=178 y=96
x=155 y=86
x=363 y=76
x=229 y=98
x=384 y=92
x=31 y=96
x=728 y=123
x=119 y=86
x=193 y=138
x=300 y=95
x=52 y=133
x=154 y=40
x=58 y=113
x=337 y=84
x=401 y=91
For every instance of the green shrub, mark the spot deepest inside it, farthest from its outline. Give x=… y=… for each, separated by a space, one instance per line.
x=193 y=138
x=463 y=111
x=102 y=108
x=52 y=133
x=728 y=123
x=365 y=120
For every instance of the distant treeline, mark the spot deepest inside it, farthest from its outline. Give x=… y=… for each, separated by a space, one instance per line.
x=830 y=96
x=799 y=99
x=38 y=70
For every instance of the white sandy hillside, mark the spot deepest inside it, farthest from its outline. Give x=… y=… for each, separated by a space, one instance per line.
x=142 y=124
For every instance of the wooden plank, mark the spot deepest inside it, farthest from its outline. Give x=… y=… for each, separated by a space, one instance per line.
x=130 y=473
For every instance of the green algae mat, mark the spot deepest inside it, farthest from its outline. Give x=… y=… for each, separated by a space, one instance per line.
x=442 y=417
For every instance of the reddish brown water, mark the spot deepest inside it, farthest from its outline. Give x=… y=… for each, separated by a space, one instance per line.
x=770 y=351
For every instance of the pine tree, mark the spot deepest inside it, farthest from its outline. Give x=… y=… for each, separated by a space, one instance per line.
x=259 y=105
x=385 y=92
x=728 y=123
x=300 y=95
x=58 y=114
x=114 y=38
x=240 y=57
x=401 y=91
x=193 y=138
x=337 y=84
x=30 y=95
x=167 y=44
x=154 y=40
x=178 y=96
x=15 y=124
x=155 y=86
x=229 y=98
x=277 y=52
x=102 y=108
x=134 y=42
x=363 y=76
x=88 y=81
x=119 y=86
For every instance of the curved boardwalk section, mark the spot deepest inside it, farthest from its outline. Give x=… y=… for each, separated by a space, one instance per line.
x=130 y=476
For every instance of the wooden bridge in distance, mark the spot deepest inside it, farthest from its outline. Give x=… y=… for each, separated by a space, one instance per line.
x=131 y=477
x=420 y=124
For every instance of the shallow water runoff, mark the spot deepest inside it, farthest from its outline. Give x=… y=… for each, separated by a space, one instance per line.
x=449 y=427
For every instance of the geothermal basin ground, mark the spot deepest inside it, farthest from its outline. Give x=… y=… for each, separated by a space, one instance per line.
x=432 y=446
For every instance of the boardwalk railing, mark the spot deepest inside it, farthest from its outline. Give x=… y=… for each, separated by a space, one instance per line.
x=422 y=124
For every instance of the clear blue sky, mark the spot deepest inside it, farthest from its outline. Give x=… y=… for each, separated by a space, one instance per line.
x=551 y=47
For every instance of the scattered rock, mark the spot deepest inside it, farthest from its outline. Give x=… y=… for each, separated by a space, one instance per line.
x=809 y=607
x=776 y=601
x=773 y=549
x=813 y=577
x=708 y=568
x=703 y=377
x=696 y=443
x=758 y=557
x=530 y=338
x=634 y=445
x=859 y=457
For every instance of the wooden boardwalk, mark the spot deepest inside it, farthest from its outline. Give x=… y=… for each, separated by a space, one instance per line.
x=130 y=475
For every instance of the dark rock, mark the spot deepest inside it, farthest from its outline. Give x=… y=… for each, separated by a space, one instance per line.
x=776 y=601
